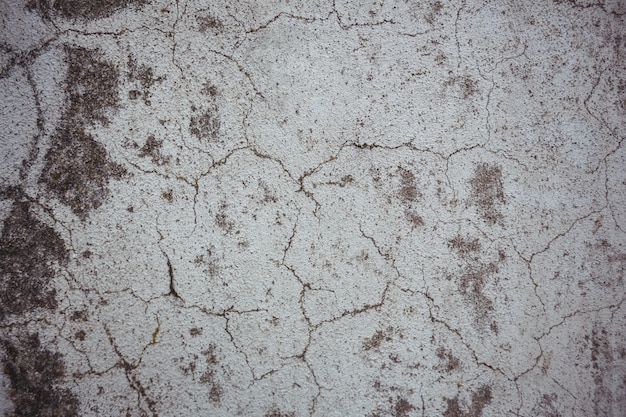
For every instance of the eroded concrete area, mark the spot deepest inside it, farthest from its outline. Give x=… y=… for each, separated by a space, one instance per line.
x=313 y=208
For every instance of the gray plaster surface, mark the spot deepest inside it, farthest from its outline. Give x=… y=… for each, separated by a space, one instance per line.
x=313 y=208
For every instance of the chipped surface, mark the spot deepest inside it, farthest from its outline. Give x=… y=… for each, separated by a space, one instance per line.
x=287 y=209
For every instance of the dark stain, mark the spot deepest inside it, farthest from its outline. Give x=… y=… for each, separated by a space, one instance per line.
x=600 y=348
x=209 y=22
x=408 y=191
x=402 y=408
x=275 y=412
x=480 y=399
x=547 y=406
x=471 y=285
x=487 y=192
x=215 y=389
x=79 y=315
x=221 y=219
x=464 y=246
x=398 y=406
x=208 y=260
x=414 y=218
x=375 y=341
x=28 y=250
x=152 y=149
x=209 y=376
x=34 y=373
x=77 y=168
x=168 y=195
x=144 y=76
x=81 y=9
x=449 y=362
x=205 y=124
x=209 y=89
x=92 y=86
x=466 y=85
x=195 y=331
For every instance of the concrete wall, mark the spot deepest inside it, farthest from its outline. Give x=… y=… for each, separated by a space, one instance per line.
x=313 y=208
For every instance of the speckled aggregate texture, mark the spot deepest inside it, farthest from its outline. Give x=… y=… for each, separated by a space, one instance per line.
x=313 y=208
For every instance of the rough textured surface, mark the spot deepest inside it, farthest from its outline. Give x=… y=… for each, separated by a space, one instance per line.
x=313 y=208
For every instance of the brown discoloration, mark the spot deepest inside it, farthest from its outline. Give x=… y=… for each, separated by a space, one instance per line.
x=28 y=249
x=487 y=192
x=480 y=399
x=34 y=373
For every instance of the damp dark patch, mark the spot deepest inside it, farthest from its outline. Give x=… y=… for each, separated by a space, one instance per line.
x=28 y=249
x=34 y=373
x=487 y=192
x=408 y=191
x=81 y=9
x=77 y=168
x=275 y=412
x=464 y=246
x=449 y=362
x=205 y=124
x=480 y=399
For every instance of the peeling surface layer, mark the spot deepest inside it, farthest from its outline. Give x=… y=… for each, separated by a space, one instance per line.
x=313 y=208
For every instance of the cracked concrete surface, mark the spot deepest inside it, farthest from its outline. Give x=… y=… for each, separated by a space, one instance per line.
x=290 y=208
